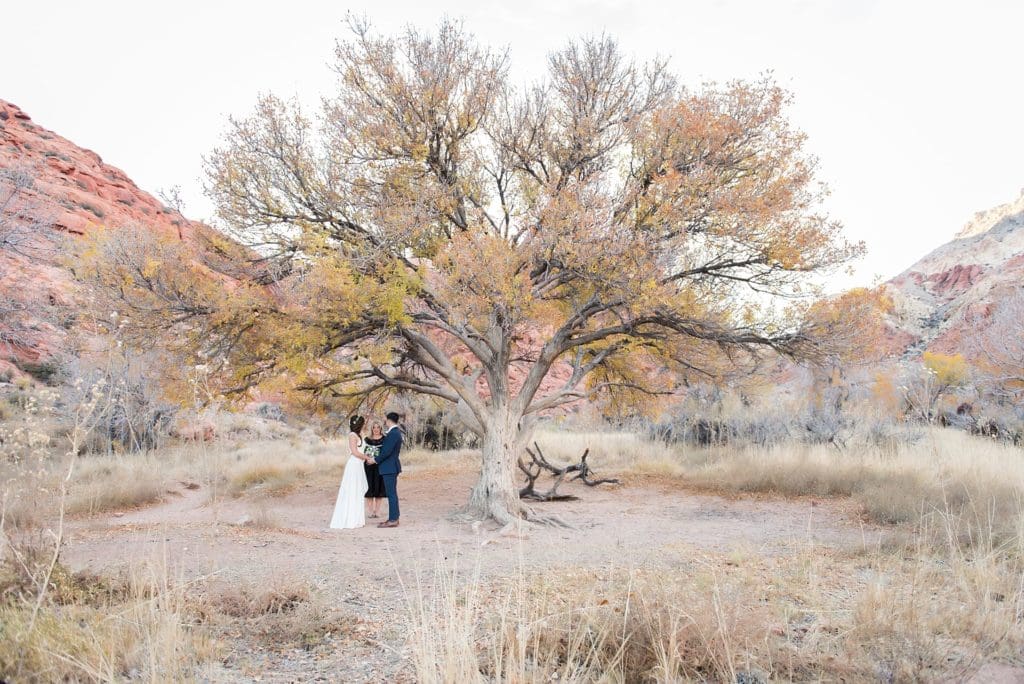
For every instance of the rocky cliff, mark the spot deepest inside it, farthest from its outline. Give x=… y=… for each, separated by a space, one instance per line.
x=74 y=190
x=52 y=191
x=942 y=298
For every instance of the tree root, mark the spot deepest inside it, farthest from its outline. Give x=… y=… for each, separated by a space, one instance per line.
x=521 y=517
x=549 y=521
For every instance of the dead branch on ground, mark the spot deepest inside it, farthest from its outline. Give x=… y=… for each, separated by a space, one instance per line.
x=539 y=464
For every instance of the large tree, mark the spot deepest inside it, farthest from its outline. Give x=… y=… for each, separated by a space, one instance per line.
x=435 y=230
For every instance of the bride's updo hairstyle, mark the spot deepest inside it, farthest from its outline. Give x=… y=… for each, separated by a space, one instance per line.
x=355 y=423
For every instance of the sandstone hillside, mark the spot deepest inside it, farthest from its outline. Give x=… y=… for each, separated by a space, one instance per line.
x=947 y=294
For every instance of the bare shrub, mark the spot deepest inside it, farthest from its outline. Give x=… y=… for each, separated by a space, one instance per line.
x=927 y=384
x=134 y=416
x=26 y=315
x=997 y=346
x=279 y=612
x=251 y=600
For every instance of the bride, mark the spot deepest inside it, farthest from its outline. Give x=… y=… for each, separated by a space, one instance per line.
x=350 y=511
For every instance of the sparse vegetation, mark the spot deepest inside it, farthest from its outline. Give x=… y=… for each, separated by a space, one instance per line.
x=94 y=210
x=819 y=615
x=92 y=629
x=954 y=499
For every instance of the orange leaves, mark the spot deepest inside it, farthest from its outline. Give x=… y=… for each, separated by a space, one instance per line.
x=851 y=327
x=436 y=223
x=723 y=171
x=480 y=275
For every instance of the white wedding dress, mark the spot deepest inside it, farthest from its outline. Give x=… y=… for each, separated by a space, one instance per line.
x=350 y=509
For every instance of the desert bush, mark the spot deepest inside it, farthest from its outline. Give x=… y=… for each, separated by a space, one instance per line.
x=926 y=385
x=269 y=411
x=266 y=423
x=47 y=371
x=133 y=415
x=996 y=347
x=251 y=600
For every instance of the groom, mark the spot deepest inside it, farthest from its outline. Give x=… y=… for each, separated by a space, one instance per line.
x=390 y=466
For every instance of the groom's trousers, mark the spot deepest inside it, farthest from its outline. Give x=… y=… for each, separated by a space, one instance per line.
x=391 y=487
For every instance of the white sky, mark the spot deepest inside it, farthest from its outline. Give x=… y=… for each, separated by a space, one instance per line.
x=914 y=108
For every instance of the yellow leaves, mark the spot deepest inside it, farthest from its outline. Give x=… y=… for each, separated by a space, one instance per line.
x=481 y=274
x=419 y=152
x=785 y=254
x=948 y=369
x=151 y=267
x=885 y=393
x=398 y=213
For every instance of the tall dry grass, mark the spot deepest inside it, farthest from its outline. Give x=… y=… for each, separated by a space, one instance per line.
x=946 y=481
x=92 y=628
x=862 y=615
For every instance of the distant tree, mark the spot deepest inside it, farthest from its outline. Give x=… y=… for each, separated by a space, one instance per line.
x=436 y=230
x=938 y=375
x=997 y=347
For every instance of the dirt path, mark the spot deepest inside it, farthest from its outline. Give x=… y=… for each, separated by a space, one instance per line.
x=623 y=527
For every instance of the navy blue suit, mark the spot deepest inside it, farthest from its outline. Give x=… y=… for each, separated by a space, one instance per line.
x=389 y=465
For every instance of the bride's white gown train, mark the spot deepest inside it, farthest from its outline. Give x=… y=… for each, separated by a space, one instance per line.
x=350 y=509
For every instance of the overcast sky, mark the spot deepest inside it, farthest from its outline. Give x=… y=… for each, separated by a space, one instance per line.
x=914 y=108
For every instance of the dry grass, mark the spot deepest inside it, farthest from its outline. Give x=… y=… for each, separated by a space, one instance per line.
x=103 y=483
x=280 y=612
x=275 y=468
x=820 y=615
x=419 y=459
x=935 y=609
x=106 y=483
x=946 y=481
x=263 y=517
x=94 y=629
x=244 y=599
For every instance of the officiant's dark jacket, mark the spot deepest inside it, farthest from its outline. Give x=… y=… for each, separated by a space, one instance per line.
x=388 y=461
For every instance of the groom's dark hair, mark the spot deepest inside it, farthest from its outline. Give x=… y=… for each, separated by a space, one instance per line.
x=393 y=417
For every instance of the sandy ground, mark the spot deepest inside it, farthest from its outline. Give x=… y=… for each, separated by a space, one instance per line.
x=372 y=571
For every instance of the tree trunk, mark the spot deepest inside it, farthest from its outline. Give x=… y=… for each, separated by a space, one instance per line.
x=496 y=494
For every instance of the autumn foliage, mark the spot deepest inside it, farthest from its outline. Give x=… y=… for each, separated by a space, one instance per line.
x=434 y=229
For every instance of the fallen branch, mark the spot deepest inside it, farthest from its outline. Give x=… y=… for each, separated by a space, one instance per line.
x=539 y=464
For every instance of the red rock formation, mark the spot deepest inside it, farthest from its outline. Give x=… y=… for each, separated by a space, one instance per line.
x=72 y=192
x=74 y=189
x=954 y=281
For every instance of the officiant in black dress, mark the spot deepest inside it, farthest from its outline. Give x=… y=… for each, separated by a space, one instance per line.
x=375 y=491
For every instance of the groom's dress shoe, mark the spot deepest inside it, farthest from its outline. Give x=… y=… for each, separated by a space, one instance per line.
x=389 y=523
